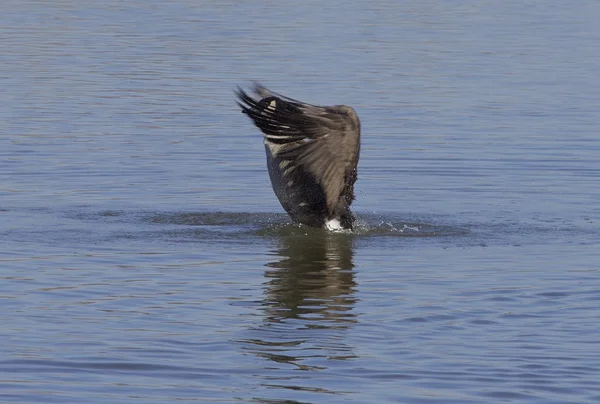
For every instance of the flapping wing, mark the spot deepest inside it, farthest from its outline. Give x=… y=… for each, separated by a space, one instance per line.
x=325 y=141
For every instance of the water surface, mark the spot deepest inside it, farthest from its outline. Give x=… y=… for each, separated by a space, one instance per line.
x=145 y=257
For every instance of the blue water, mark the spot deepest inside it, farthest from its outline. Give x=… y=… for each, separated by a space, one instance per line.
x=145 y=258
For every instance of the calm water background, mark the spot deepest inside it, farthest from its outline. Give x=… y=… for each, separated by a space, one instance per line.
x=145 y=258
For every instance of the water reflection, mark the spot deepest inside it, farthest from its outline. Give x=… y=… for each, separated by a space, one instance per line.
x=308 y=304
x=312 y=279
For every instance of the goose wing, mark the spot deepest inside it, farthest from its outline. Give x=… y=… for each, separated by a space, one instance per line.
x=324 y=141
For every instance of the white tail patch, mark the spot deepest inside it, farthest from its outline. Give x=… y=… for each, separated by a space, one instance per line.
x=333 y=224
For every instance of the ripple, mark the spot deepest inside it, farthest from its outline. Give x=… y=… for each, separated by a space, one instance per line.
x=272 y=224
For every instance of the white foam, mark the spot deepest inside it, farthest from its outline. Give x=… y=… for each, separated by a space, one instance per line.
x=333 y=224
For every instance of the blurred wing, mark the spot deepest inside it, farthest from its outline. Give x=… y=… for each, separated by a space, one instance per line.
x=323 y=140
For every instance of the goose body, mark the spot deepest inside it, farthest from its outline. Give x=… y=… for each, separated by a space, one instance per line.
x=312 y=156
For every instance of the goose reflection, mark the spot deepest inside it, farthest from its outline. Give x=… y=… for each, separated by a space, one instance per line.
x=309 y=302
x=313 y=279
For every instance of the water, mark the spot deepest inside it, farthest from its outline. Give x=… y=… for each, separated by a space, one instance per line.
x=145 y=257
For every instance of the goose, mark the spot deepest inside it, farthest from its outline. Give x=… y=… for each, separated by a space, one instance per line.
x=312 y=155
